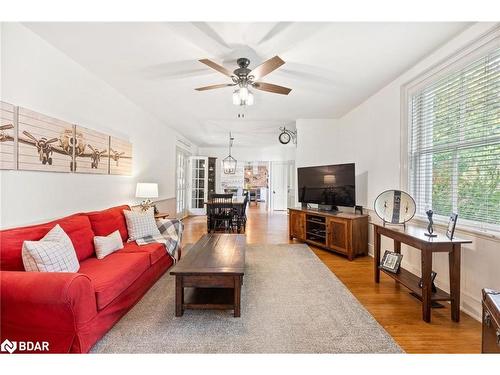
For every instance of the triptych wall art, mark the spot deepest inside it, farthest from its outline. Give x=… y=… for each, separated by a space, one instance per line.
x=33 y=141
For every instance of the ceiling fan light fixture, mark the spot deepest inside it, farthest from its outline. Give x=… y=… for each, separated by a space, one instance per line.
x=236 y=98
x=243 y=93
x=250 y=99
x=243 y=97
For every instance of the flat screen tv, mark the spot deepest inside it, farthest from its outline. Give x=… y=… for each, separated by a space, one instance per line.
x=327 y=185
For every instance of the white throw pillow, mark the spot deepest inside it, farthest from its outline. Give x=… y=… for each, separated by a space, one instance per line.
x=141 y=224
x=53 y=253
x=105 y=245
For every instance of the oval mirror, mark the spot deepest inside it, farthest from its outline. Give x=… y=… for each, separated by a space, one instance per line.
x=395 y=206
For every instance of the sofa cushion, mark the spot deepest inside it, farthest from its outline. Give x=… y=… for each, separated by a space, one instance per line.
x=114 y=274
x=155 y=250
x=77 y=227
x=107 y=221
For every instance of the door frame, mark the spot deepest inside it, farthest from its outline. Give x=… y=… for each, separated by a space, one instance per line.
x=195 y=210
x=186 y=154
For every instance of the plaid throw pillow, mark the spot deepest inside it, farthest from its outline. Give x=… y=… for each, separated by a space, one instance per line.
x=53 y=253
x=140 y=224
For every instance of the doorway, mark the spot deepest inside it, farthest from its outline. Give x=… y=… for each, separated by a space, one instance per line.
x=279 y=185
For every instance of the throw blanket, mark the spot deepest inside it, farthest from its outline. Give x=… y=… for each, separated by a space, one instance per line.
x=171 y=236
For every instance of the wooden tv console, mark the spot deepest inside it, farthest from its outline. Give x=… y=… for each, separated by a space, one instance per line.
x=344 y=233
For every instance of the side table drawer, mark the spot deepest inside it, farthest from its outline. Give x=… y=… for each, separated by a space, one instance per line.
x=491 y=324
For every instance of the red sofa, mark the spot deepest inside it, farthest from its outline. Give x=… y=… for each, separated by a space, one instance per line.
x=71 y=311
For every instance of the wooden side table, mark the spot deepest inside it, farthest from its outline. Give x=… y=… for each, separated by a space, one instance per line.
x=161 y=215
x=414 y=236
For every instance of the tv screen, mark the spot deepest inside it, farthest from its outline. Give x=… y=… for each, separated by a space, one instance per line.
x=327 y=185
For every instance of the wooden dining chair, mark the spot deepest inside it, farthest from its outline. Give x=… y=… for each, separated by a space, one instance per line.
x=240 y=216
x=221 y=198
x=221 y=216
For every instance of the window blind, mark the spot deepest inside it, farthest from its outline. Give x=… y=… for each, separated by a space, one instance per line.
x=454 y=143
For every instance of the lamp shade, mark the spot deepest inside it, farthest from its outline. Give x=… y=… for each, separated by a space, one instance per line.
x=329 y=179
x=146 y=190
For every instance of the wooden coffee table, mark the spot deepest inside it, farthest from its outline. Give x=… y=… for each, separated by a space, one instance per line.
x=213 y=271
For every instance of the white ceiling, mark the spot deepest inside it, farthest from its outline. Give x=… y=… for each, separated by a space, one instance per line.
x=331 y=68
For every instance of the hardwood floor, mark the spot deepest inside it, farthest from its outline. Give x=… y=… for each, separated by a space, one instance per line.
x=390 y=304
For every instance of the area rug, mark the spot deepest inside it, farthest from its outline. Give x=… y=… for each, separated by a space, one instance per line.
x=291 y=303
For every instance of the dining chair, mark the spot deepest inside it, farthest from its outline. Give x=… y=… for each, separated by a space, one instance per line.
x=221 y=198
x=240 y=216
x=221 y=216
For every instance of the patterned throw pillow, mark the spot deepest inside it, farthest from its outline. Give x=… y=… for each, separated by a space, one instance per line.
x=53 y=253
x=105 y=245
x=140 y=224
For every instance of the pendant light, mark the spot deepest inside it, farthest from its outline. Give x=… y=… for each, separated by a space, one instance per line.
x=229 y=163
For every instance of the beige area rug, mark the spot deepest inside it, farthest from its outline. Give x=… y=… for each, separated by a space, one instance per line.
x=291 y=303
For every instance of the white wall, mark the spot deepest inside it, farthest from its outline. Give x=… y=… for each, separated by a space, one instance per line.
x=270 y=153
x=36 y=75
x=369 y=136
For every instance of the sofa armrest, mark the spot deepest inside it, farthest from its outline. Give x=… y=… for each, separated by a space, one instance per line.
x=37 y=302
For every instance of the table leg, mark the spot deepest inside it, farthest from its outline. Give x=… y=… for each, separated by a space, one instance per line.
x=454 y=265
x=376 y=255
x=397 y=250
x=427 y=285
x=397 y=246
x=179 y=296
x=237 y=296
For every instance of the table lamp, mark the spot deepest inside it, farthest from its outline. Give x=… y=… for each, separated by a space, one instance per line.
x=146 y=190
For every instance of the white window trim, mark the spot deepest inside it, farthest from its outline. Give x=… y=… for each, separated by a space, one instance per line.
x=460 y=58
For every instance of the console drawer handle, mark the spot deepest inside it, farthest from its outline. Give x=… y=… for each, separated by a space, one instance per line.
x=487 y=319
x=498 y=336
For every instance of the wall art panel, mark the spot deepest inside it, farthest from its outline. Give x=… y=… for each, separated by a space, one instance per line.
x=45 y=143
x=120 y=158
x=8 y=135
x=93 y=156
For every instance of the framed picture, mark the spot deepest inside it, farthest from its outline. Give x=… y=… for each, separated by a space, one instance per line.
x=391 y=261
x=452 y=223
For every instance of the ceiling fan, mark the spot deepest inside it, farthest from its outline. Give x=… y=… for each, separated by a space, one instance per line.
x=244 y=78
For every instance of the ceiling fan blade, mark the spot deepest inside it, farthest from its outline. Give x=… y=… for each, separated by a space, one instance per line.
x=217 y=67
x=272 y=88
x=266 y=67
x=211 y=87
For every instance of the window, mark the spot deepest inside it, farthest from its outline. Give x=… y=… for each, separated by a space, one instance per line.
x=454 y=143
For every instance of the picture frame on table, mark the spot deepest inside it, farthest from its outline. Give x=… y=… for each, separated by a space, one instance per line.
x=391 y=261
x=452 y=223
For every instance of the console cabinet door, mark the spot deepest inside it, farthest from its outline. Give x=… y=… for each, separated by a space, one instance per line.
x=338 y=235
x=297 y=225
